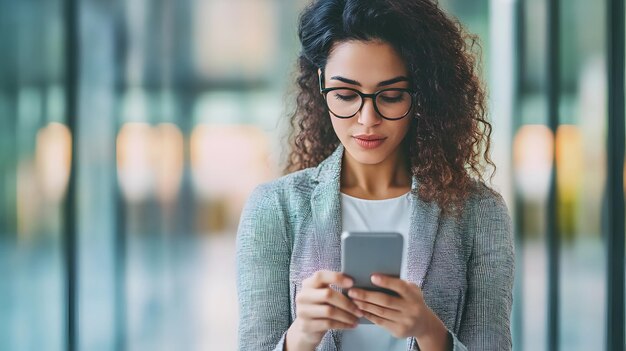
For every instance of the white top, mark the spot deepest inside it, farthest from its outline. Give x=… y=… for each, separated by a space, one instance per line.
x=389 y=215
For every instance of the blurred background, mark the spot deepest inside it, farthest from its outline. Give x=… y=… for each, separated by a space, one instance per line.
x=167 y=113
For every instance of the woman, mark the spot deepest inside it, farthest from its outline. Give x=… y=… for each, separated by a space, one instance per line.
x=388 y=131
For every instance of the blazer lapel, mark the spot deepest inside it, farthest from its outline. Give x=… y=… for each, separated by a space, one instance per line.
x=326 y=214
x=326 y=211
x=422 y=234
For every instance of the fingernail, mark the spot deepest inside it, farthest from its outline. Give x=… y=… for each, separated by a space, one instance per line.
x=375 y=279
x=359 y=313
x=347 y=282
x=352 y=293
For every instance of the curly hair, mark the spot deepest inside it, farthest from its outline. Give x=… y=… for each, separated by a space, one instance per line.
x=449 y=136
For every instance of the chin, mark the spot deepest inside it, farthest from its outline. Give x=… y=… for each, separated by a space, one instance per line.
x=367 y=157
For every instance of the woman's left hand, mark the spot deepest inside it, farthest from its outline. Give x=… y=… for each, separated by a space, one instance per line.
x=403 y=316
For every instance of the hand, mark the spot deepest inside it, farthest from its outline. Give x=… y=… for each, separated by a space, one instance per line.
x=403 y=316
x=320 y=308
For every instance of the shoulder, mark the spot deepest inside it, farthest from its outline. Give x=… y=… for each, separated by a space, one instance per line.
x=489 y=229
x=282 y=192
x=272 y=206
x=484 y=200
x=486 y=215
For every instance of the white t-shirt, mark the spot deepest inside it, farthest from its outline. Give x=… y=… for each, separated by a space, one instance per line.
x=389 y=215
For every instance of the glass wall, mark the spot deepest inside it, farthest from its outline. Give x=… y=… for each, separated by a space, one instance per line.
x=176 y=123
x=181 y=113
x=35 y=151
x=533 y=145
x=180 y=120
x=581 y=174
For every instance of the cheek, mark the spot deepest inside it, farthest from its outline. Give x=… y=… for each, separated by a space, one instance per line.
x=407 y=125
x=402 y=128
x=341 y=126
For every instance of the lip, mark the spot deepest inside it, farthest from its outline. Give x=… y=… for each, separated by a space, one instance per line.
x=369 y=137
x=371 y=141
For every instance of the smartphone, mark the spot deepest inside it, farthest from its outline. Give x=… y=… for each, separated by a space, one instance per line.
x=366 y=253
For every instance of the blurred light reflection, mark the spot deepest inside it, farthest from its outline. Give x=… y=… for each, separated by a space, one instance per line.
x=227 y=160
x=532 y=160
x=135 y=155
x=168 y=145
x=53 y=157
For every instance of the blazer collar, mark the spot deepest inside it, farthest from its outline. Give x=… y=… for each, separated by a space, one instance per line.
x=326 y=214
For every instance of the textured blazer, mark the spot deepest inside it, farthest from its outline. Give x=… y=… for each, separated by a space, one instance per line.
x=291 y=227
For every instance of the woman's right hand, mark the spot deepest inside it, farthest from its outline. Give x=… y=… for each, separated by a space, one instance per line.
x=320 y=308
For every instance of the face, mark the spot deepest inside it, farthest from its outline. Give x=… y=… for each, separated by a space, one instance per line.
x=367 y=67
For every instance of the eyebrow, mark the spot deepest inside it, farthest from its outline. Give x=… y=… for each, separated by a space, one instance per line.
x=381 y=84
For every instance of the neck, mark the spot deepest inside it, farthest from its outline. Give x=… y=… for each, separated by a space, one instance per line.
x=387 y=179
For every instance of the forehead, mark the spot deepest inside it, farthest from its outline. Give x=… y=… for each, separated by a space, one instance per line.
x=368 y=62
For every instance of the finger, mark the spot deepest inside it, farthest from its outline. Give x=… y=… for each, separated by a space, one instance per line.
x=379 y=311
x=329 y=296
x=323 y=278
x=322 y=325
x=402 y=287
x=376 y=297
x=385 y=323
x=326 y=312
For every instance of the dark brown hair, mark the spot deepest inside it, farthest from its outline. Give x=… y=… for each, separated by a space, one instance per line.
x=448 y=137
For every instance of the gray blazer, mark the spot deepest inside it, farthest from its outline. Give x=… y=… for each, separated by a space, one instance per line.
x=291 y=228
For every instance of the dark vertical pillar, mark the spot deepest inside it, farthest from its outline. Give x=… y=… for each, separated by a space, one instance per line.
x=520 y=48
x=71 y=28
x=553 y=234
x=615 y=181
x=120 y=235
x=120 y=270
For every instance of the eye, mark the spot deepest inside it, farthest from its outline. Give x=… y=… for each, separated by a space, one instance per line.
x=393 y=96
x=345 y=95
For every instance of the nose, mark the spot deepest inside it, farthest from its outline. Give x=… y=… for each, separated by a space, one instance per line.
x=368 y=116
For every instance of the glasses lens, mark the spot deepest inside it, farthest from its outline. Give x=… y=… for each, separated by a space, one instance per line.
x=393 y=103
x=343 y=102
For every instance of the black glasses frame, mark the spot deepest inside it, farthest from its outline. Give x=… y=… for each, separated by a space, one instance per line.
x=373 y=96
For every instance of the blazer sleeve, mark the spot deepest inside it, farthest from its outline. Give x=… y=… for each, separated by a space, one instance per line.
x=486 y=321
x=263 y=256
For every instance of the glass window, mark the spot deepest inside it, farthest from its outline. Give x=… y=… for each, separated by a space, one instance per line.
x=180 y=116
x=581 y=175
x=35 y=151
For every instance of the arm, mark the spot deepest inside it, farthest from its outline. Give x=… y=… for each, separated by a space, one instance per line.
x=486 y=319
x=263 y=256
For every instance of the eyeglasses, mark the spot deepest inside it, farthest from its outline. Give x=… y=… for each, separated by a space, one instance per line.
x=391 y=104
